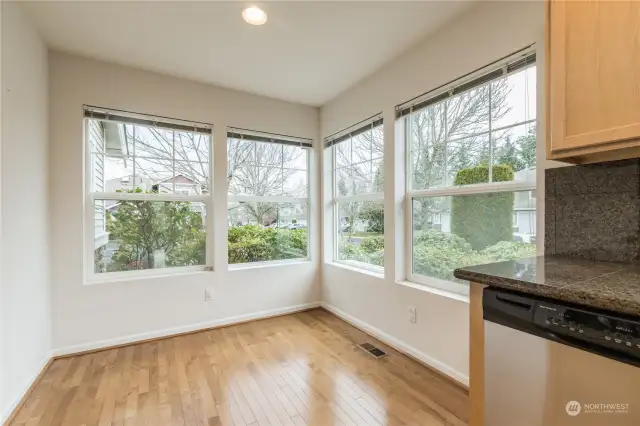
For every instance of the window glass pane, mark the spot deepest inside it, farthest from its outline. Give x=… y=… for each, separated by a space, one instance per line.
x=149 y=235
x=515 y=147
x=361 y=232
x=239 y=153
x=264 y=231
x=294 y=158
x=453 y=142
x=118 y=173
x=266 y=169
x=241 y=178
x=192 y=147
x=514 y=98
x=268 y=181
x=154 y=174
x=362 y=178
x=295 y=183
x=153 y=142
x=342 y=152
x=143 y=158
x=361 y=145
x=344 y=182
x=468 y=160
x=427 y=147
x=465 y=114
x=456 y=231
x=377 y=142
x=377 y=175
x=192 y=175
x=269 y=154
x=358 y=163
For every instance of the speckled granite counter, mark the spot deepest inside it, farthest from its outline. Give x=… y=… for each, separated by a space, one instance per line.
x=605 y=285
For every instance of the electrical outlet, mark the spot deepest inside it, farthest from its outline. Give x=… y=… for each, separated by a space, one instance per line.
x=412 y=313
x=208 y=295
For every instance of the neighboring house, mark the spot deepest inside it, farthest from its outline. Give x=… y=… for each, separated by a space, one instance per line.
x=108 y=138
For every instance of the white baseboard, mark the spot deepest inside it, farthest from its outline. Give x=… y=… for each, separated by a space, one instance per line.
x=133 y=338
x=399 y=345
x=9 y=408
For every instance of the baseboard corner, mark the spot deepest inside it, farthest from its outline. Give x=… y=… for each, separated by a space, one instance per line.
x=455 y=376
x=11 y=411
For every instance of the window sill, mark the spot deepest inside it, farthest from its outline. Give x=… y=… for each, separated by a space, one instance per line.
x=269 y=264
x=434 y=290
x=143 y=276
x=354 y=267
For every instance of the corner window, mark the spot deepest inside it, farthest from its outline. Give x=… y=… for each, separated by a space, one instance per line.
x=358 y=194
x=471 y=162
x=148 y=193
x=268 y=211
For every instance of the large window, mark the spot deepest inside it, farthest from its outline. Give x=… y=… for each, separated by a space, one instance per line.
x=148 y=182
x=358 y=192
x=268 y=181
x=471 y=160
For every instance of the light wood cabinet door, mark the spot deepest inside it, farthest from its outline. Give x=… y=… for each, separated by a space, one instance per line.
x=593 y=76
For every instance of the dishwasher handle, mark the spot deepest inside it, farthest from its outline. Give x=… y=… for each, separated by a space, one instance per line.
x=507 y=305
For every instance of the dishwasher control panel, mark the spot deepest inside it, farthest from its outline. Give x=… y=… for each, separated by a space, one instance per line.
x=605 y=330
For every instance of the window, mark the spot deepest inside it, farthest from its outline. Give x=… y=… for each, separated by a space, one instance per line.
x=358 y=193
x=268 y=181
x=148 y=183
x=471 y=162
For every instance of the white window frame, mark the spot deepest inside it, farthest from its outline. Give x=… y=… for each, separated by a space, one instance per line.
x=336 y=199
x=90 y=197
x=482 y=188
x=304 y=143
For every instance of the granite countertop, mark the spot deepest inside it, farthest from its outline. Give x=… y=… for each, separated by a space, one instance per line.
x=604 y=285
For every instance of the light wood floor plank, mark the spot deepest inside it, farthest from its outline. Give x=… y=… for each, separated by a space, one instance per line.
x=298 y=370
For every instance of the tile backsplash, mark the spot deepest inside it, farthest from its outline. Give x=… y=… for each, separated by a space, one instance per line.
x=593 y=211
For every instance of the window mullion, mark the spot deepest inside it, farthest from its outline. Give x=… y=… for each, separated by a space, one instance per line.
x=490 y=134
x=173 y=160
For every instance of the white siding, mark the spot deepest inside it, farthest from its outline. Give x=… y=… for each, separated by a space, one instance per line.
x=95 y=141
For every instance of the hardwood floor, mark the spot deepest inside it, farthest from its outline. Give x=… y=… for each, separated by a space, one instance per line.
x=301 y=369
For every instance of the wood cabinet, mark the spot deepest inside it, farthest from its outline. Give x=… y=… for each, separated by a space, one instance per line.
x=593 y=80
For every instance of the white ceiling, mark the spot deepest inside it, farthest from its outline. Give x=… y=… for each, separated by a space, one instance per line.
x=307 y=52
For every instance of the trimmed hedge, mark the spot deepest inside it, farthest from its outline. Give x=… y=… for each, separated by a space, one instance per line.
x=484 y=219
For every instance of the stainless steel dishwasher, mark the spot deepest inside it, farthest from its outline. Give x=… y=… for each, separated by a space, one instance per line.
x=553 y=364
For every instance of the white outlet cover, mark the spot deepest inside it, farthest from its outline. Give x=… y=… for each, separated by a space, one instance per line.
x=208 y=295
x=412 y=313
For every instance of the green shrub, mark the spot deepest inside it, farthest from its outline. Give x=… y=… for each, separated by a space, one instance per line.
x=484 y=219
x=254 y=243
x=372 y=244
x=434 y=261
x=436 y=238
x=373 y=254
x=509 y=250
x=373 y=214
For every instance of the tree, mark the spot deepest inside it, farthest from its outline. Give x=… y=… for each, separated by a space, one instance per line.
x=254 y=168
x=360 y=170
x=153 y=234
x=453 y=135
x=520 y=154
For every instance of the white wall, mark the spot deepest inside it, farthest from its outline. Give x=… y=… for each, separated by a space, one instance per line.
x=86 y=316
x=25 y=335
x=488 y=32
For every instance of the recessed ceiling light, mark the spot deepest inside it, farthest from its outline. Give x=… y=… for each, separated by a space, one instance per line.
x=254 y=15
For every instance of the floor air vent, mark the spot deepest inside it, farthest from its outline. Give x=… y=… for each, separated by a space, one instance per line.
x=372 y=350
